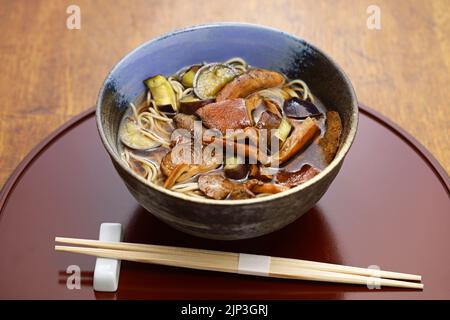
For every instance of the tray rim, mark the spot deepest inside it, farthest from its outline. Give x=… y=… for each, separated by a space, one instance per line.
x=34 y=153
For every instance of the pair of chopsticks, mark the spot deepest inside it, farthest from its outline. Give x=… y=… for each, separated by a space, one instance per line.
x=229 y=262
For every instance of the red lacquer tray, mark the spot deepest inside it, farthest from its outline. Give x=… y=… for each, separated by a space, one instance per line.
x=389 y=206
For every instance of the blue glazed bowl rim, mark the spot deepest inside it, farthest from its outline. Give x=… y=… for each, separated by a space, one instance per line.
x=346 y=144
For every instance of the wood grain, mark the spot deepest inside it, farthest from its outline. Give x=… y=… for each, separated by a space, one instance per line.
x=50 y=73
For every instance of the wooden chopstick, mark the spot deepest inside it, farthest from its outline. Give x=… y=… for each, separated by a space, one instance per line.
x=219 y=261
x=228 y=264
x=295 y=263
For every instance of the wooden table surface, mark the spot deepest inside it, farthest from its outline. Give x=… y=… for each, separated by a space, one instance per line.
x=50 y=73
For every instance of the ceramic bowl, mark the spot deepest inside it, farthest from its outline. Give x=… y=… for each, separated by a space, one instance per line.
x=261 y=47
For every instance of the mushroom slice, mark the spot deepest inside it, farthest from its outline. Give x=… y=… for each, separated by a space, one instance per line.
x=218 y=187
x=243 y=190
x=174 y=172
x=215 y=186
x=132 y=136
x=302 y=134
x=250 y=82
x=330 y=141
x=177 y=171
x=167 y=164
x=272 y=107
x=269 y=188
x=252 y=103
x=197 y=169
x=268 y=121
x=241 y=193
x=293 y=179
x=250 y=151
x=228 y=114
x=237 y=142
x=259 y=173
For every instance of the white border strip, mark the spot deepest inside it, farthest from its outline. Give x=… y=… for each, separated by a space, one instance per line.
x=254 y=264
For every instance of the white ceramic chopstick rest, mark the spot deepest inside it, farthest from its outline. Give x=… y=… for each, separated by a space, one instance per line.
x=107 y=271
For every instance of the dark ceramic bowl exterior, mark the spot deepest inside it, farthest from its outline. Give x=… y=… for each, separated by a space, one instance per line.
x=259 y=46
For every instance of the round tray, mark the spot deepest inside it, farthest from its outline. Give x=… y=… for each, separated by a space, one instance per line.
x=389 y=207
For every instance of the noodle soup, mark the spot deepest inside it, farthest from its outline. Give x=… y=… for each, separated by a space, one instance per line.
x=228 y=131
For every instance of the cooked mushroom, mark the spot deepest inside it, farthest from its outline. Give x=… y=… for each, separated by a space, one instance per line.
x=244 y=143
x=177 y=171
x=330 y=141
x=293 y=179
x=300 y=136
x=268 y=121
x=241 y=193
x=269 y=188
x=259 y=173
x=228 y=114
x=218 y=187
x=243 y=190
x=179 y=156
x=167 y=164
x=184 y=121
x=252 y=103
x=252 y=152
x=250 y=82
x=215 y=186
x=272 y=107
